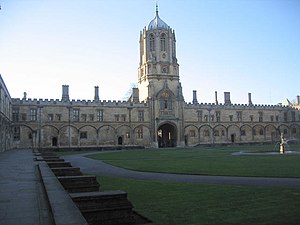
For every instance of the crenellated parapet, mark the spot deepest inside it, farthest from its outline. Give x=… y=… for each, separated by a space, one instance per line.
x=76 y=103
x=236 y=106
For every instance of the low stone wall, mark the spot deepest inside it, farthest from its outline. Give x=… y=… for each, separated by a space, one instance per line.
x=63 y=209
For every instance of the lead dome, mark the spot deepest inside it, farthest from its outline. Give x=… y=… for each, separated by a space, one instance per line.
x=157 y=22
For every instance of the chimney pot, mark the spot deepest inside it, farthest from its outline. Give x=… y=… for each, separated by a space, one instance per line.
x=25 y=96
x=65 y=93
x=135 y=95
x=96 y=98
x=227 y=98
x=216 y=98
x=249 y=99
x=195 y=101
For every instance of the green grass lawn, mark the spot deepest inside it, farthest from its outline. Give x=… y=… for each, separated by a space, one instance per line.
x=170 y=203
x=190 y=204
x=207 y=161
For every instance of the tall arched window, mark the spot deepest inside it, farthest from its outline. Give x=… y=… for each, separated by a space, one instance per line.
x=152 y=42
x=163 y=42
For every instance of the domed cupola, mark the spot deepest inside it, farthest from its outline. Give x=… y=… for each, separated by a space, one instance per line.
x=157 y=23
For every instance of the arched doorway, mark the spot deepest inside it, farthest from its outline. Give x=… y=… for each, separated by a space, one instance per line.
x=54 y=141
x=232 y=138
x=166 y=135
x=120 y=140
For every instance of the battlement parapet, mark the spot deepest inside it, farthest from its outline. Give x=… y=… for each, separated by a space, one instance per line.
x=235 y=106
x=76 y=103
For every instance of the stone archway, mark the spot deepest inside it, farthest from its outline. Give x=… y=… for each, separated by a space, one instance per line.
x=167 y=135
x=54 y=141
x=120 y=140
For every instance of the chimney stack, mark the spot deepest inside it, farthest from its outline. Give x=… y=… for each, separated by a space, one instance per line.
x=249 y=99
x=24 y=96
x=297 y=100
x=195 y=101
x=227 y=98
x=135 y=95
x=96 y=98
x=65 y=93
x=216 y=98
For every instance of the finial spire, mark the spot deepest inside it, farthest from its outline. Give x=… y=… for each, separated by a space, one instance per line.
x=156 y=7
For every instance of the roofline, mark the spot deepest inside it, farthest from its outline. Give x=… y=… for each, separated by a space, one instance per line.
x=4 y=86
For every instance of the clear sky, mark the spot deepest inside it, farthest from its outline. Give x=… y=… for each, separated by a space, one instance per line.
x=239 y=46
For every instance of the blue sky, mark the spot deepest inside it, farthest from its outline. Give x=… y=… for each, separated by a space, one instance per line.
x=239 y=46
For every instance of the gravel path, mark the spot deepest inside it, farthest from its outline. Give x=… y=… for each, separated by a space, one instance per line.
x=98 y=167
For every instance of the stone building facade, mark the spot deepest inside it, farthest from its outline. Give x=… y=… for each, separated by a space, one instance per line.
x=155 y=115
x=5 y=117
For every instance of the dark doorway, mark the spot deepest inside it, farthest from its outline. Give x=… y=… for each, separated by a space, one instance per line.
x=166 y=136
x=54 y=141
x=232 y=138
x=120 y=140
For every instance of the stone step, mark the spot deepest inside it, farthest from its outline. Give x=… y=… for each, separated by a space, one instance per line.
x=109 y=207
x=48 y=154
x=53 y=159
x=49 y=159
x=74 y=184
x=66 y=171
x=59 y=164
x=63 y=209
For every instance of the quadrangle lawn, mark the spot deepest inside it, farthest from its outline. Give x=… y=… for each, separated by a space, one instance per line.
x=167 y=203
x=206 y=161
x=197 y=204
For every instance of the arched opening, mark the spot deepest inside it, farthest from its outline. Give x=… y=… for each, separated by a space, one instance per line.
x=163 y=42
x=166 y=136
x=232 y=137
x=152 y=42
x=120 y=140
x=54 y=141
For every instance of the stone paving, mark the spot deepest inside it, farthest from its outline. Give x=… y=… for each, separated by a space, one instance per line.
x=21 y=201
x=98 y=167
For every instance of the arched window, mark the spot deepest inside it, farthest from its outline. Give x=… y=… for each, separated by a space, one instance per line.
x=163 y=42
x=152 y=42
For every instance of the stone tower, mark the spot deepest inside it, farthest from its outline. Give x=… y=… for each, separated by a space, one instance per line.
x=158 y=63
x=158 y=83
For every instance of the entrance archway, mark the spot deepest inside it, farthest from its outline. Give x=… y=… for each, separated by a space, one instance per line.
x=167 y=135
